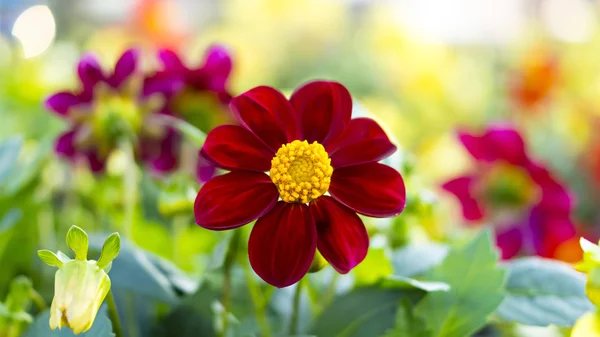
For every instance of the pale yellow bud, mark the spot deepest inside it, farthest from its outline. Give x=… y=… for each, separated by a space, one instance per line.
x=79 y=289
x=80 y=285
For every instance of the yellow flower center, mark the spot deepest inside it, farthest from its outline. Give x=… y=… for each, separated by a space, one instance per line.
x=301 y=171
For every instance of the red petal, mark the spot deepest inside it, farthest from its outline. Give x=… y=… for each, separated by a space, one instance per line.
x=371 y=189
x=460 y=187
x=89 y=71
x=234 y=148
x=125 y=66
x=62 y=102
x=170 y=60
x=268 y=114
x=65 y=144
x=364 y=141
x=217 y=64
x=343 y=239
x=282 y=244
x=498 y=143
x=234 y=199
x=324 y=109
x=510 y=242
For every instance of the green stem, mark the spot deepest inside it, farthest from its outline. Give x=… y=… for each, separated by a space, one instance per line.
x=38 y=300
x=129 y=187
x=191 y=132
x=113 y=314
x=178 y=227
x=258 y=301
x=227 y=269
x=296 y=308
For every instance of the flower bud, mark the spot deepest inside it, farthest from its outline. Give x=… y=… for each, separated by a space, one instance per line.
x=14 y=318
x=318 y=263
x=80 y=285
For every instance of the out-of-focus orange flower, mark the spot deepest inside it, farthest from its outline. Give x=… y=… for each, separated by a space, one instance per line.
x=158 y=21
x=532 y=82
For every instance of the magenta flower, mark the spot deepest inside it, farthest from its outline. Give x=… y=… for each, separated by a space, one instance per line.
x=110 y=107
x=529 y=208
x=203 y=98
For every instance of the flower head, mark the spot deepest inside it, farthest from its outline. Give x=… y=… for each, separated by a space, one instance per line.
x=202 y=95
x=322 y=170
x=80 y=285
x=528 y=206
x=112 y=107
x=534 y=81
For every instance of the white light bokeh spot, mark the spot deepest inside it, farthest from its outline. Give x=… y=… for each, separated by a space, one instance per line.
x=569 y=20
x=35 y=29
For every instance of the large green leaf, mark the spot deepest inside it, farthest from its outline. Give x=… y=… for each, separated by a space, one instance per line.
x=135 y=270
x=27 y=171
x=543 y=292
x=364 y=312
x=192 y=317
x=9 y=152
x=102 y=327
x=476 y=289
x=417 y=258
x=407 y=325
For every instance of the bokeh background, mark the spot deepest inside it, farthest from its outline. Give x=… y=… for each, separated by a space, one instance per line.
x=422 y=68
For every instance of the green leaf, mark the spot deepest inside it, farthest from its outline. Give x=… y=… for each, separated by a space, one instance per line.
x=543 y=292
x=193 y=317
x=364 y=312
x=110 y=250
x=9 y=152
x=476 y=284
x=77 y=240
x=135 y=271
x=10 y=219
x=407 y=324
x=401 y=282
x=102 y=327
x=25 y=172
x=376 y=266
x=417 y=258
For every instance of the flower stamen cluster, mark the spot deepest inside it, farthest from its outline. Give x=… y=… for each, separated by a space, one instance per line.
x=301 y=171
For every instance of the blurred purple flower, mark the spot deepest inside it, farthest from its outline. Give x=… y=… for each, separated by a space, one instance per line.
x=196 y=95
x=529 y=208
x=111 y=107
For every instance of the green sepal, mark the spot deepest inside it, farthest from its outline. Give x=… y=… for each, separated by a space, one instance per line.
x=50 y=258
x=110 y=250
x=77 y=240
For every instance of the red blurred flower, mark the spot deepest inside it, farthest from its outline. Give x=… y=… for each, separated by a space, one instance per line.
x=529 y=207
x=533 y=82
x=202 y=95
x=310 y=146
x=110 y=107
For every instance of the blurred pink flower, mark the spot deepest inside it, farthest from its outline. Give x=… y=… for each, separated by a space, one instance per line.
x=202 y=96
x=110 y=107
x=529 y=208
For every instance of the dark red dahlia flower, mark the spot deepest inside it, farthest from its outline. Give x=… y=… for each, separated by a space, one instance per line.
x=111 y=107
x=303 y=168
x=529 y=207
x=202 y=98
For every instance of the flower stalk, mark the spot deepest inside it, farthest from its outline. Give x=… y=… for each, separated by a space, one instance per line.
x=296 y=308
x=113 y=314
x=227 y=270
x=129 y=187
